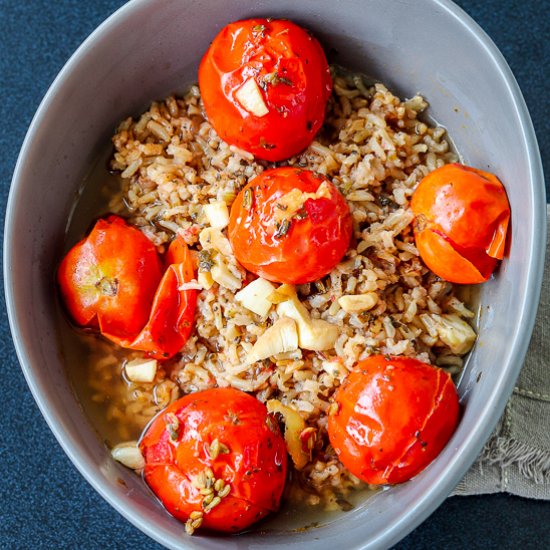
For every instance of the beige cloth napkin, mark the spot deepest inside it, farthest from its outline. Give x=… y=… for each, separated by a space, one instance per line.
x=516 y=459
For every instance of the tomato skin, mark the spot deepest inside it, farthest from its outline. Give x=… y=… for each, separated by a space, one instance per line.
x=108 y=280
x=295 y=102
x=171 y=318
x=255 y=466
x=394 y=417
x=462 y=217
x=311 y=247
x=113 y=281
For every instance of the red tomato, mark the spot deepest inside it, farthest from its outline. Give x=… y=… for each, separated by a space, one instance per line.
x=394 y=416
x=112 y=281
x=108 y=280
x=290 y=225
x=173 y=311
x=265 y=85
x=462 y=217
x=228 y=433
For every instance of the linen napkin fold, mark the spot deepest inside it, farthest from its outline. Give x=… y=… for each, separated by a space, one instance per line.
x=516 y=459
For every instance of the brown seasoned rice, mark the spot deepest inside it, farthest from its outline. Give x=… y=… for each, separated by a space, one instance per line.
x=375 y=149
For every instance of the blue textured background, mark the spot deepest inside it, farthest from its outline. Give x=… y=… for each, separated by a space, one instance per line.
x=44 y=502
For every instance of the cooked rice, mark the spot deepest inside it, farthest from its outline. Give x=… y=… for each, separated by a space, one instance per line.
x=375 y=149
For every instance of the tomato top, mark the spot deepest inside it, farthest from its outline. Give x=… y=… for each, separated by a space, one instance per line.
x=394 y=416
x=265 y=84
x=462 y=217
x=221 y=434
x=108 y=280
x=290 y=225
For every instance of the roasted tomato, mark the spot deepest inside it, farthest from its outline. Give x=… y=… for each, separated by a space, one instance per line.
x=218 y=457
x=290 y=225
x=265 y=85
x=462 y=217
x=108 y=280
x=173 y=310
x=392 y=417
x=112 y=281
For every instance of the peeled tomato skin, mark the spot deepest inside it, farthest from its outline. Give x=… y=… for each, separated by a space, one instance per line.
x=455 y=269
x=470 y=210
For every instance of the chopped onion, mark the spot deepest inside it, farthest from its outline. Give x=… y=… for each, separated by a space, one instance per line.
x=354 y=303
x=250 y=97
x=281 y=337
x=129 y=455
x=313 y=334
x=217 y=214
x=141 y=370
x=294 y=426
x=254 y=296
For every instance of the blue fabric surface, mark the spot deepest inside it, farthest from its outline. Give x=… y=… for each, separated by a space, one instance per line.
x=44 y=502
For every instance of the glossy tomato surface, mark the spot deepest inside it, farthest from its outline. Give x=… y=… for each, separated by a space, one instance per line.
x=284 y=69
x=290 y=226
x=172 y=312
x=393 y=417
x=229 y=434
x=114 y=281
x=108 y=280
x=462 y=217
